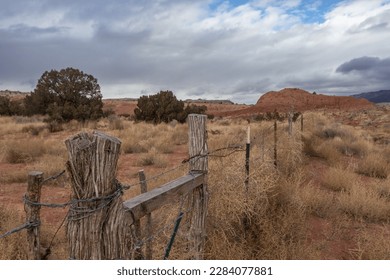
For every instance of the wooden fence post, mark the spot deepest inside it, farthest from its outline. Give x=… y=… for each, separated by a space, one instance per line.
x=198 y=152
x=247 y=157
x=302 y=123
x=98 y=225
x=35 y=179
x=275 y=143
x=148 y=230
x=290 y=115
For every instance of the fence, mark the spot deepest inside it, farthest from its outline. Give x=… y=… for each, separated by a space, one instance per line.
x=100 y=225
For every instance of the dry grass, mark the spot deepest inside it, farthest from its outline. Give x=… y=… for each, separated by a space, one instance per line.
x=364 y=202
x=23 y=151
x=374 y=165
x=331 y=141
x=12 y=247
x=152 y=158
x=338 y=179
x=372 y=244
x=269 y=221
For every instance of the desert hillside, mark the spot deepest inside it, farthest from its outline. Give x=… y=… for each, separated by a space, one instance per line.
x=294 y=99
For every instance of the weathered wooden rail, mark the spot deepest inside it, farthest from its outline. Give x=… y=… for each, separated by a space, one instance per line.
x=146 y=203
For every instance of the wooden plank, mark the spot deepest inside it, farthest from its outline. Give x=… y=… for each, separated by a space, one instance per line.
x=146 y=203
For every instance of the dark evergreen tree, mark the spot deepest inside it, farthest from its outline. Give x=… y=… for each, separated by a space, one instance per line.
x=65 y=95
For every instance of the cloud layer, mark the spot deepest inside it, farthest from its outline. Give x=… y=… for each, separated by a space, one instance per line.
x=208 y=49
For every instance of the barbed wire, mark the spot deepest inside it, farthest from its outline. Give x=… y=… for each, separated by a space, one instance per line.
x=26 y=225
x=54 y=177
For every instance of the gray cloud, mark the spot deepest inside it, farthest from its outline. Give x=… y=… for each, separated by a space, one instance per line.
x=359 y=64
x=371 y=70
x=137 y=47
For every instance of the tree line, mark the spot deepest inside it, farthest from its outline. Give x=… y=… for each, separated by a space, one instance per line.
x=71 y=94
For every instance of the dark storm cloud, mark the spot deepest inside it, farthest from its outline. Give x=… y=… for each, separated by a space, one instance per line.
x=359 y=64
x=372 y=69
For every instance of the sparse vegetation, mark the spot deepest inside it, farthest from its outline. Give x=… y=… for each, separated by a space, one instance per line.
x=164 y=107
x=374 y=166
x=331 y=189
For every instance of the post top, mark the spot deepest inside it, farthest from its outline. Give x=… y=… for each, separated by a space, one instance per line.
x=35 y=173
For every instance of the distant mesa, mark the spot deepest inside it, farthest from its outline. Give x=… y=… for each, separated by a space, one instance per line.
x=381 y=96
x=295 y=99
x=301 y=100
x=210 y=101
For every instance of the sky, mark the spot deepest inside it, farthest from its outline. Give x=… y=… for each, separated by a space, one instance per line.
x=212 y=49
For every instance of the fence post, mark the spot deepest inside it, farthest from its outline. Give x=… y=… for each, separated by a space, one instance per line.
x=302 y=123
x=290 y=115
x=98 y=225
x=148 y=231
x=35 y=179
x=247 y=156
x=275 y=143
x=198 y=163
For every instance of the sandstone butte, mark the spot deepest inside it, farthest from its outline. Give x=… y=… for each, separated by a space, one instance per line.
x=295 y=99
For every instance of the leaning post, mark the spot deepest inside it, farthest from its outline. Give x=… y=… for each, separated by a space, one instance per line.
x=35 y=180
x=198 y=152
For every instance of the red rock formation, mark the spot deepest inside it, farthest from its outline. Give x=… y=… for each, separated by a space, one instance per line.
x=300 y=100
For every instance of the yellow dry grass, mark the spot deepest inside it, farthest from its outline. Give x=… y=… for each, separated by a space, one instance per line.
x=269 y=220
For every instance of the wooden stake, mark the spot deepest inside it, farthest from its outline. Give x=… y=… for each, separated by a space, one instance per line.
x=289 y=123
x=35 y=179
x=148 y=231
x=247 y=156
x=275 y=143
x=198 y=152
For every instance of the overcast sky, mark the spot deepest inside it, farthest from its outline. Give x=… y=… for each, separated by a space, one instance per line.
x=234 y=50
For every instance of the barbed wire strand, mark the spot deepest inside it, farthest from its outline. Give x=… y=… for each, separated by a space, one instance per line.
x=54 y=177
x=26 y=225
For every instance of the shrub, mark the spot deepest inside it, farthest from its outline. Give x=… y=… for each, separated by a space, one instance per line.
x=164 y=107
x=55 y=126
x=65 y=95
x=133 y=148
x=338 y=179
x=115 y=123
x=363 y=201
x=33 y=130
x=24 y=151
x=152 y=158
x=374 y=166
x=5 y=104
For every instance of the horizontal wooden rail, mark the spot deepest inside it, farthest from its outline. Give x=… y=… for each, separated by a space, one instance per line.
x=146 y=203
